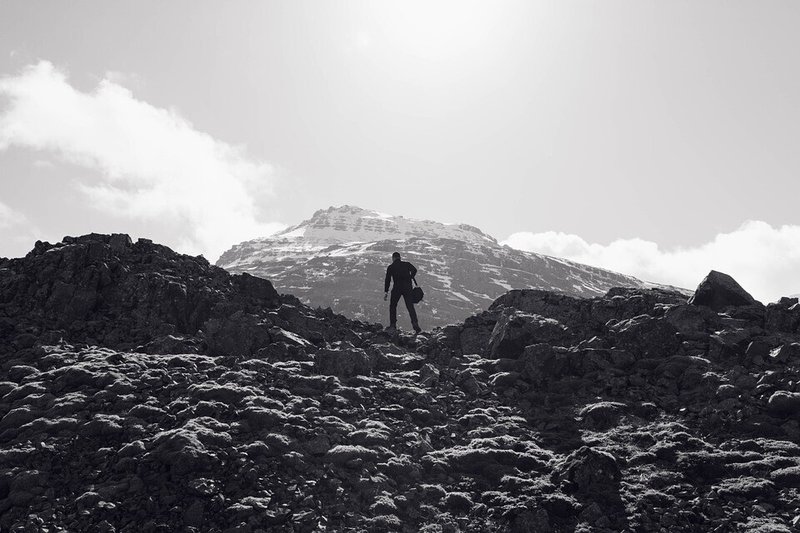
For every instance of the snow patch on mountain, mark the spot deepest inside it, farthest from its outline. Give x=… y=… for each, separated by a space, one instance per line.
x=338 y=258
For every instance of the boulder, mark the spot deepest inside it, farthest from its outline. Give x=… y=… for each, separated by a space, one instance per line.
x=645 y=336
x=258 y=288
x=785 y=353
x=784 y=404
x=343 y=363
x=602 y=415
x=589 y=472
x=474 y=336
x=545 y=363
x=428 y=375
x=237 y=334
x=182 y=451
x=688 y=319
x=515 y=330
x=344 y=454
x=719 y=291
x=783 y=315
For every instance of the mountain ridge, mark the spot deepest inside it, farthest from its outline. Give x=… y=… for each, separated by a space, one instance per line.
x=330 y=258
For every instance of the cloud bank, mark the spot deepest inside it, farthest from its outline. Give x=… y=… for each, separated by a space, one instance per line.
x=155 y=165
x=765 y=260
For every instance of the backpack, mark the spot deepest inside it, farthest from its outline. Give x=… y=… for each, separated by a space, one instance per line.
x=416 y=293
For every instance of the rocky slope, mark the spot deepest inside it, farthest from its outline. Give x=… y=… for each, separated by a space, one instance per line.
x=142 y=390
x=338 y=259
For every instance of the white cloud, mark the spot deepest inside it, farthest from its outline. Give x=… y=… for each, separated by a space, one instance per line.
x=17 y=233
x=155 y=165
x=765 y=260
x=10 y=217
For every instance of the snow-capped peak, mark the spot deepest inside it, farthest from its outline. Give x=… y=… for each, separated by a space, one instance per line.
x=338 y=258
x=345 y=224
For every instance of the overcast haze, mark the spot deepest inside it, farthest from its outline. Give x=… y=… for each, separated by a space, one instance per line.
x=659 y=139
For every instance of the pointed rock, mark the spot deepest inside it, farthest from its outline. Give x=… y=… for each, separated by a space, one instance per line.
x=719 y=291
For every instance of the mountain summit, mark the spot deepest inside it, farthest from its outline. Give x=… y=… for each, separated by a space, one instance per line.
x=338 y=259
x=348 y=224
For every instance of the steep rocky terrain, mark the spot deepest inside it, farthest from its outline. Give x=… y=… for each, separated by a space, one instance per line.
x=338 y=259
x=142 y=390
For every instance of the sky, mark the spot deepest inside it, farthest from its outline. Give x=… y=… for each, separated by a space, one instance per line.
x=658 y=139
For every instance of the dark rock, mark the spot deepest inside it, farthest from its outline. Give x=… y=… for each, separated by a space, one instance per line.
x=786 y=477
x=182 y=451
x=148 y=390
x=257 y=288
x=503 y=380
x=783 y=316
x=746 y=487
x=645 y=336
x=489 y=458
x=719 y=291
x=785 y=353
x=172 y=344
x=477 y=330
x=534 y=520
x=602 y=415
x=459 y=502
x=193 y=515
x=757 y=349
x=516 y=330
x=428 y=375
x=19 y=372
x=784 y=404
x=88 y=500
x=590 y=472
x=346 y=455
x=343 y=362
x=689 y=318
x=544 y=363
x=237 y=334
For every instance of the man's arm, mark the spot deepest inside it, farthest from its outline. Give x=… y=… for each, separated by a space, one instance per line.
x=388 y=280
x=412 y=270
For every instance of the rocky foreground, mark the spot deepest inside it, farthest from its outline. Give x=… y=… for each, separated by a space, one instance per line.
x=142 y=390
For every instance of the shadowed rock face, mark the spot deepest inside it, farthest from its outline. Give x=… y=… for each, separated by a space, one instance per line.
x=158 y=393
x=105 y=289
x=719 y=291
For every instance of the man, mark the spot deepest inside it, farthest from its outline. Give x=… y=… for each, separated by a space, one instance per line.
x=401 y=272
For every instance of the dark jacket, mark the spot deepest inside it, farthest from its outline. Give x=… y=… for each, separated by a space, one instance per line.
x=401 y=272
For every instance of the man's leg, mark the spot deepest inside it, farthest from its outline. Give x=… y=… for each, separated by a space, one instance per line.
x=411 y=311
x=393 y=299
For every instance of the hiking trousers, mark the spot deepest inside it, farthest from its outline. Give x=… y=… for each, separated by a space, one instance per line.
x=405 y=292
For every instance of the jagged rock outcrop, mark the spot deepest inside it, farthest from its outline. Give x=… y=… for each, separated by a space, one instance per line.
x=105 y=289
x=169 y=395
x=338 y=259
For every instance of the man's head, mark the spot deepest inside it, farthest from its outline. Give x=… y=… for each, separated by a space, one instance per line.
x=396 y=256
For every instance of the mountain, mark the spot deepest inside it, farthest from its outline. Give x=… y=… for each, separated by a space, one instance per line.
x=145 y=390
x=338 y=259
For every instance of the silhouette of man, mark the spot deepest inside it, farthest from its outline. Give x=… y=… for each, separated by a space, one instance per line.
x=401 y=272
